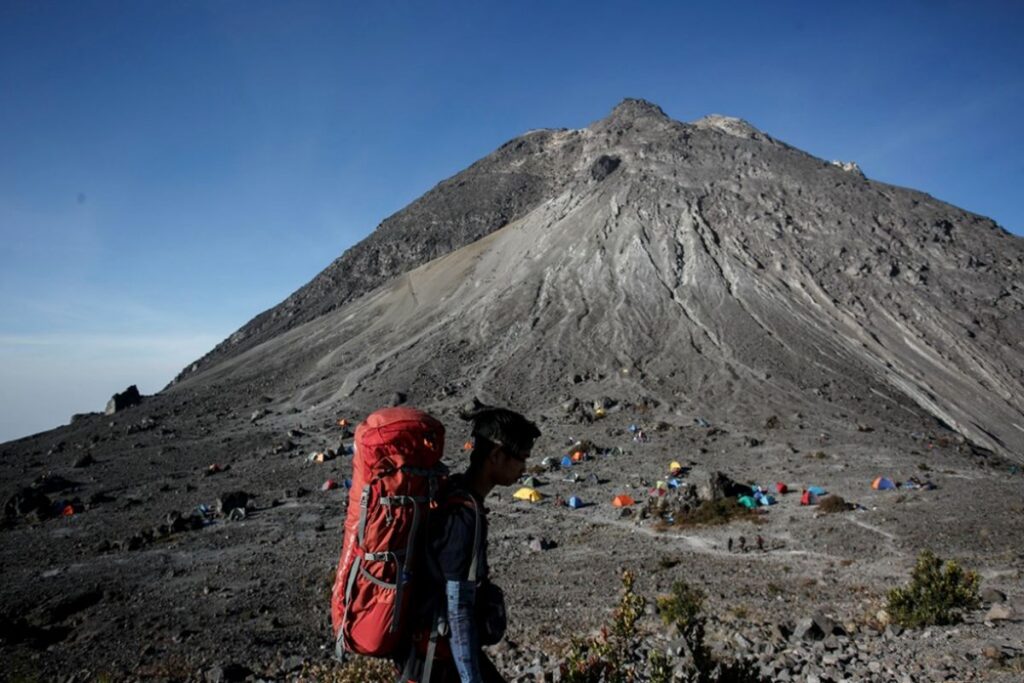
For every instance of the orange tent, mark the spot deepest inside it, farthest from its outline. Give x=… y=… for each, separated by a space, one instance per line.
x=343 y=422
x=468 y=446
x=622 y=501
x=577 y=456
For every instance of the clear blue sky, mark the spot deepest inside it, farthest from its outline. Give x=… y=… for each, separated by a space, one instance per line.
x=170 y=169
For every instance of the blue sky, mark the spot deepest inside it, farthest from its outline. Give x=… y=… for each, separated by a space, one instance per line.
x=170 y=169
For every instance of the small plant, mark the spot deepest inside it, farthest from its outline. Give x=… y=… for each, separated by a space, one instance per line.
x=833 y=503
x=715 y=512
x=660 y=667
x=611 y=656
x=937 y=594
x=682 y=607
x=630 y=609
x=358 y=670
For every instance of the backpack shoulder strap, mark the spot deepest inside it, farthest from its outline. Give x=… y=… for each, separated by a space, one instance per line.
x=466 y=499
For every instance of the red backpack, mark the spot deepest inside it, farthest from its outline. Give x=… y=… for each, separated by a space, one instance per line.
x=396 y=476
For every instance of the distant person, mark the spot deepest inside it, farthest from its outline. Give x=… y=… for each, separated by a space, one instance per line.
x=465 y=611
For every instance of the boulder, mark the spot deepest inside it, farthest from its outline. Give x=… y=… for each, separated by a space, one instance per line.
x=26 y=501
x=807 y=629
x=999 y=612
x=126 y=399
x=715 y=485
x=604 y=166
x=232 y=500
x=84 y=461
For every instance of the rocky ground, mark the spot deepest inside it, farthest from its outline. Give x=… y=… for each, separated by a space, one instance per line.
x=135 y=583
x=754 y=310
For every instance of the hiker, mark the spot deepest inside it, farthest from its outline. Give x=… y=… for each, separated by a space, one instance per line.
x=463 y=610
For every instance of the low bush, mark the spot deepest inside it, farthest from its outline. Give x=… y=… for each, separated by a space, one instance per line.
x=938 y=594
x=833 y=503
x=611 y=656
x=715 y=512
x=356 y=670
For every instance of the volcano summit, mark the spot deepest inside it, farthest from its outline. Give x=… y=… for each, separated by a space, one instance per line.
x=751 y=308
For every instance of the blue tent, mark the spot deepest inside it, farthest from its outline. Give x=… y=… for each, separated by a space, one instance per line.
x=575 y=503
x=883 y=484
x=817 y=491
x=566 y=461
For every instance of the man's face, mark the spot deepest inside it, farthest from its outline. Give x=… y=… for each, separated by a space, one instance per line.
x=509 y=465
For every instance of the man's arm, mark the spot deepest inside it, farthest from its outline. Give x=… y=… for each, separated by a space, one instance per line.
x=461 y=599
x=455 y=556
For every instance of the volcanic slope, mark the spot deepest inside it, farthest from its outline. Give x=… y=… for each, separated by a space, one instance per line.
x=704 y=267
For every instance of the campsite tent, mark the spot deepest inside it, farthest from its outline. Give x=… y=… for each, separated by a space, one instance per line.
x=781 y=488
x=808 y=498
x=531 y=482
x=622 y=501
x=575 y=503
x=747 y=502
x=674 y=468
x=817 y=491
x=566 y=461
x=883 y=484
x=528 y=494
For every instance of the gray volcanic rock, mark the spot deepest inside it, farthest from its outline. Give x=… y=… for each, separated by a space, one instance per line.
x=708 y=267
x=492 y=192
x=126 y=399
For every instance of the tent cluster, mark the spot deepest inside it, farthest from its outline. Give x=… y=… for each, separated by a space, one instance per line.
x=578 y=453
x=811 y=494
x=758 y=497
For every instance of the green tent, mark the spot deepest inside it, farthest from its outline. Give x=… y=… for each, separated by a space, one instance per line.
x=747 y=502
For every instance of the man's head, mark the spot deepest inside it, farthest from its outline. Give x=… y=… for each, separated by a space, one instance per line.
x=502 y=441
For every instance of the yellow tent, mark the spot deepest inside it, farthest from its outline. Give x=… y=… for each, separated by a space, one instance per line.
x=674 y=467
x=526 y=493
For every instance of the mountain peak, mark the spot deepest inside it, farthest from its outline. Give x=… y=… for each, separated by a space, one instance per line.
x=632 y=108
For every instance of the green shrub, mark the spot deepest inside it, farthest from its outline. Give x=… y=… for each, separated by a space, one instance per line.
x=682 y=607
x=715 y=512
x=611 y=656
x=833 y=503
x=661 y=668
x=937 y=594
x=356 y=670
